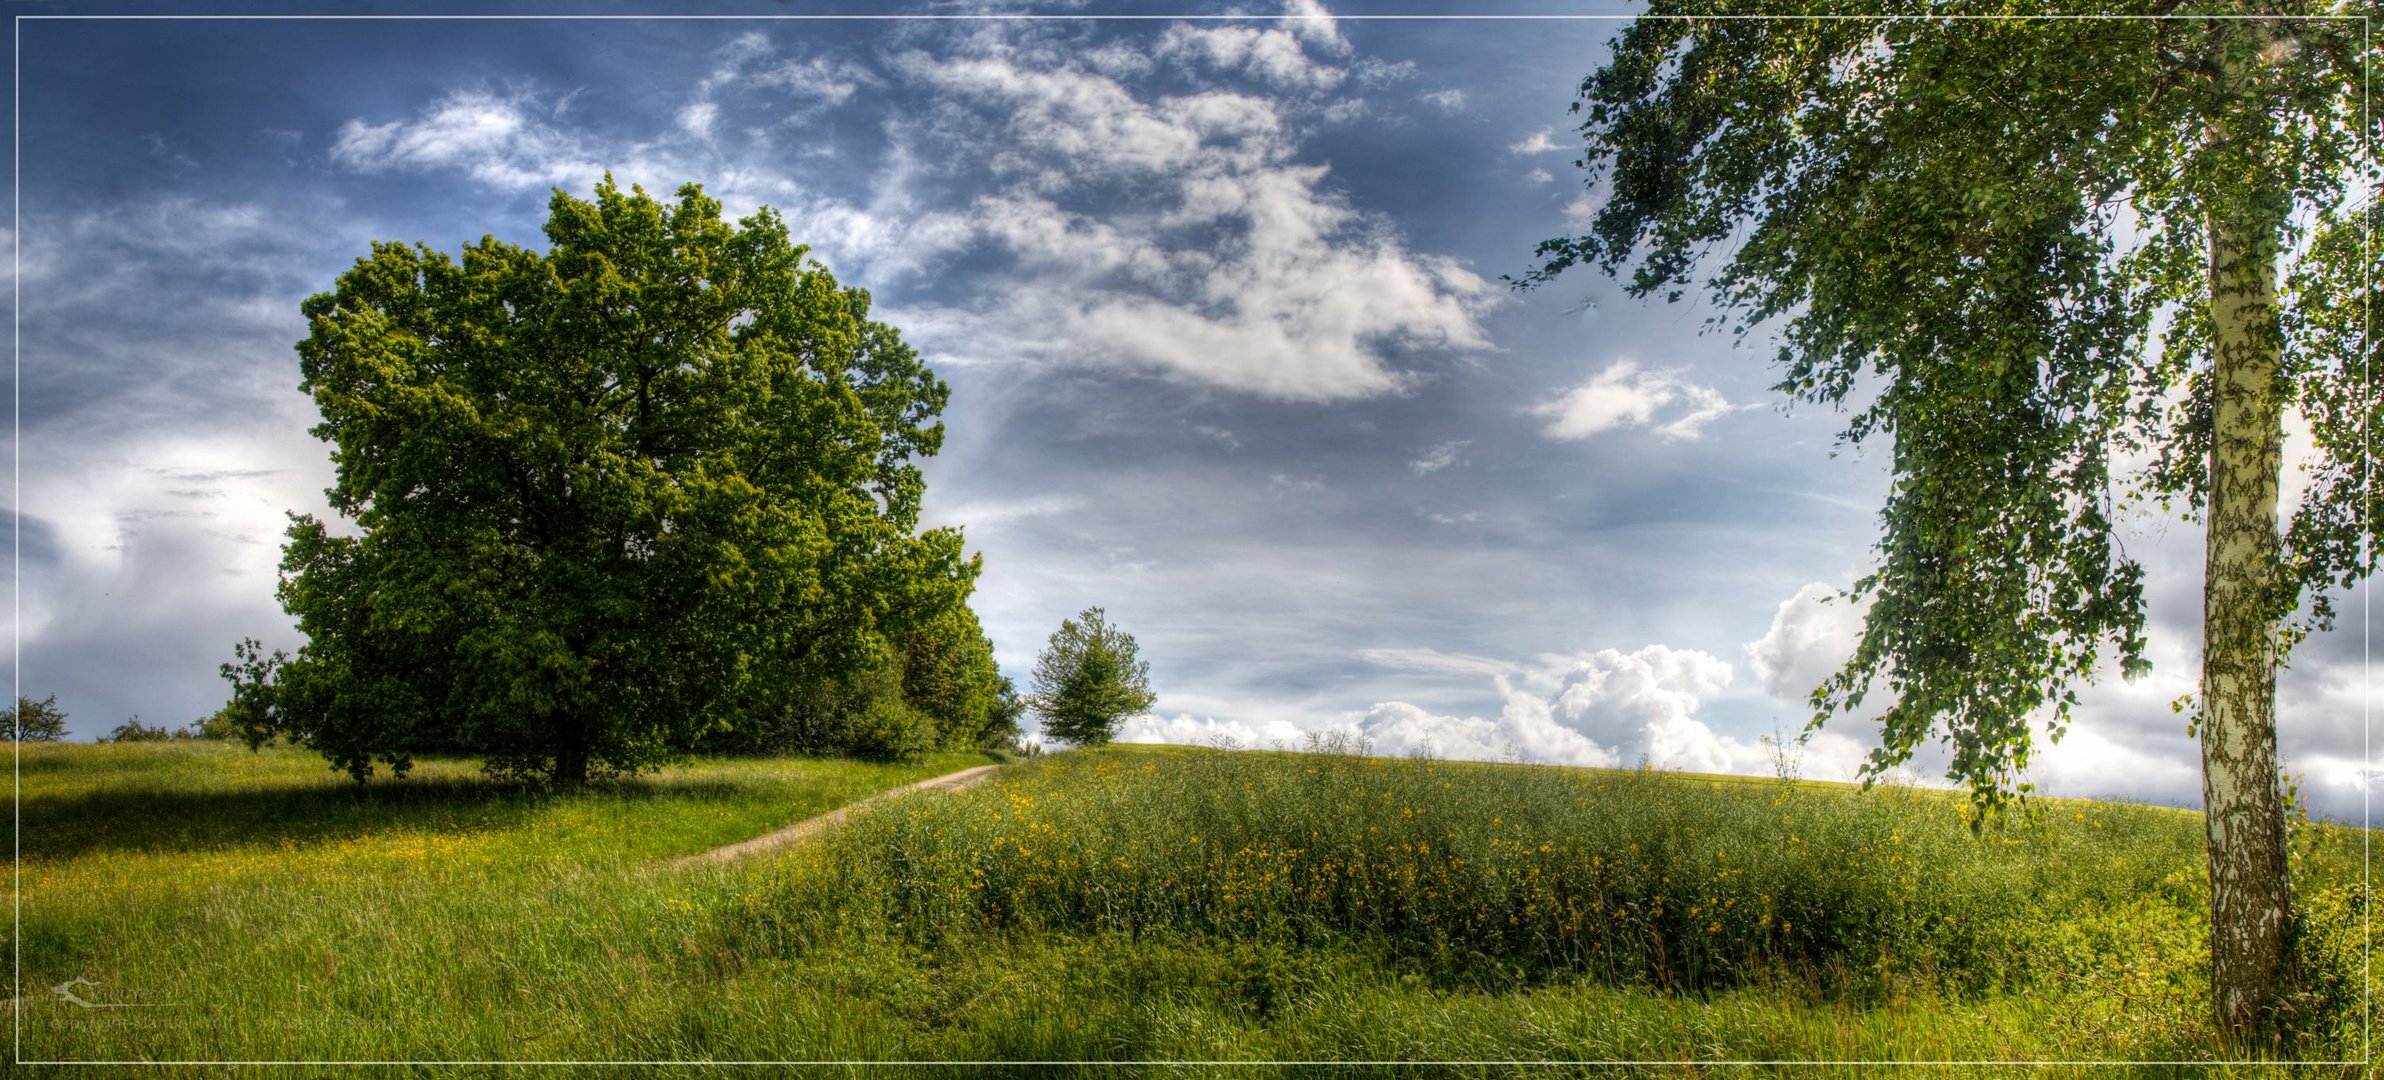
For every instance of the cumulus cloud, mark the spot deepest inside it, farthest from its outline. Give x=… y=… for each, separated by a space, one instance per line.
x=1626 y=395
x=1521 y=732
x=1601 y=708
x=1449 y=100
x=1187 y=729
x=1811 y=635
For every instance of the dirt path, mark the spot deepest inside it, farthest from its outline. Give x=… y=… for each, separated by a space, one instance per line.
x=804 y=829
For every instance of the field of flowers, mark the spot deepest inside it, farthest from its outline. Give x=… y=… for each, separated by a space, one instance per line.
x=206 y=904
x=1498 y=878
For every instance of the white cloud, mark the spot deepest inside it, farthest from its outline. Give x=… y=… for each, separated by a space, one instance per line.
x=2087 y=763
x=1440 y=457
x=1374 y=73
x=1176 y=234
x=1449 y=100
x=819 y=79
x=1603 y=708
x=1540 y=176
x=1187 y=729
x=1624 y=395
x=731 y=61
x=1810 y=637
x=500 y=141
x=1233 y=265
x=1537 y=142
x=1316 y=26
x=993 y=512
x=163 y=439
x=1520 y=732
x=1272 y=56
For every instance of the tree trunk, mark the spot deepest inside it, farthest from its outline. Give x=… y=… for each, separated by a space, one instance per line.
x=2245 y=812
x=571 y=754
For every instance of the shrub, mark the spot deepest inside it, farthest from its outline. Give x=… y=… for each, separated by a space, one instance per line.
x=223 y=725
x=888 y=729
x=133 y=730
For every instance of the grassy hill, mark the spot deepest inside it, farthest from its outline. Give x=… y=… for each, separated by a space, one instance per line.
x=1138 y=904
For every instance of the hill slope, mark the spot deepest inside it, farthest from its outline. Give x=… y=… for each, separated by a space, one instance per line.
x=1156 y=905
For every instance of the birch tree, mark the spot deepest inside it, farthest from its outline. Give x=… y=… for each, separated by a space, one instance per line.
x=2028 y=249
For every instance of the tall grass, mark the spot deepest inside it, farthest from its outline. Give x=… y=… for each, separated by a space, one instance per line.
x=1495 y=878
x=1121 y=905
x=260 y=907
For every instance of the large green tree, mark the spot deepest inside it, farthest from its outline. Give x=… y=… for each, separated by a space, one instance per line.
x=655 y=481
x=2028 y=250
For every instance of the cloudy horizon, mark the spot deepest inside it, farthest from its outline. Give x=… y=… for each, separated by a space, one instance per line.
x=1221 y=305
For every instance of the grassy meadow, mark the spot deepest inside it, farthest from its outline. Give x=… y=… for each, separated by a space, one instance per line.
x=1125 y=904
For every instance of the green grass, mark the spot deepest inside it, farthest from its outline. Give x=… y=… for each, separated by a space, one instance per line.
x=1126 y=904
x=287 y=914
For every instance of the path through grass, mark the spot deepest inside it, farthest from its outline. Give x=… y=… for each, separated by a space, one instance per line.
x=258 y=906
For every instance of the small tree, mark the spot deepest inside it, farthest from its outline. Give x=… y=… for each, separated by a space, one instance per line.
x=37 y=721
x=1088 y=679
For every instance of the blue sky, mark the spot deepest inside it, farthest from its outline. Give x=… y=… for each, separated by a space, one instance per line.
x=1219 y=301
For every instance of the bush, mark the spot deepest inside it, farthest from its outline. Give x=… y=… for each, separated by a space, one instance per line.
x=888 y=729
x=37 y=721
x=134 y=730
x=223 y=725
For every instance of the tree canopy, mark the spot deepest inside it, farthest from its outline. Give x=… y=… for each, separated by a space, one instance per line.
x=2031 y=251
x=1088 y=678
x=36 y=721
x=655 y=483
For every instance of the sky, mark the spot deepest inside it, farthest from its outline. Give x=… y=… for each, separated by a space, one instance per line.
x=1220 y=302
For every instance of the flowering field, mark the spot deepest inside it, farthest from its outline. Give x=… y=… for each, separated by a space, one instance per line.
x=1126 y=904
x=2083 y=920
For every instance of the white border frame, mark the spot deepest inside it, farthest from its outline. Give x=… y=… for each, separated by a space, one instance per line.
x=16 y=537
